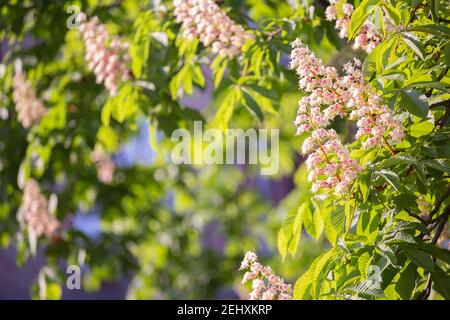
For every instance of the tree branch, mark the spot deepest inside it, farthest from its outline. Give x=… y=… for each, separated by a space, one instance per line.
x=440 y=227
x=439 y=202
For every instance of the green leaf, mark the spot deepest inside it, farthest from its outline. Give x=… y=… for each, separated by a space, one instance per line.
x=392 y=13
x=290 y=232
x=199 y=78
x=435 y=4
x=325 y=262
x=253 y=106
x=438 y=164
x=226 y=109
x=435 y=29
x=318 y=222
x=414 y=102
x=391 y=178
x=358 y=17
x=176 y=81
x=302 y=287
x=441 y=281
x=387 y=252
x=270 y=94
x=382 y=52
x=313 y=223
x=419 y=258
x=407 y=281
x=139 y=54
x=399 y=159
x=335 y=225
x=218 y=67
x=187 y=81
x=414 y=44
x=396 y=63
x=400 y=237
x=365 y=288
x=420 y=129
x=363 y=263
x=437 y=252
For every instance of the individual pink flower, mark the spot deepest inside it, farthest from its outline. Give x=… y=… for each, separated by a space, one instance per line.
x=106 y=55
x=265 y=284
x=29 y=108
x=330 y=13
x=203 y=19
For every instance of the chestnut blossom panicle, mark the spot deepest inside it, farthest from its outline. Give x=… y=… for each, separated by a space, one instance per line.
x=328 y=160
x=203 y=19
x=35 y=214
x=330 y=95
x=265 y=284
x=367 y=37
x=106 y=55
x=29 y=108
x=105 y=166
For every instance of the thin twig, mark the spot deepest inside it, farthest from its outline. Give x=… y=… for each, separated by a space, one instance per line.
x=443 y=220
x=439 y=202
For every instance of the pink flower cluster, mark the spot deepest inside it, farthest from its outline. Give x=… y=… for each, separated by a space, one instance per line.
x=374 y=119
x=367 y=37
x=331 y=95
x=106 y=55
x=34 y=212
x=265 y=284
x=105 y=166
x=204 y=19
x=29 y=108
